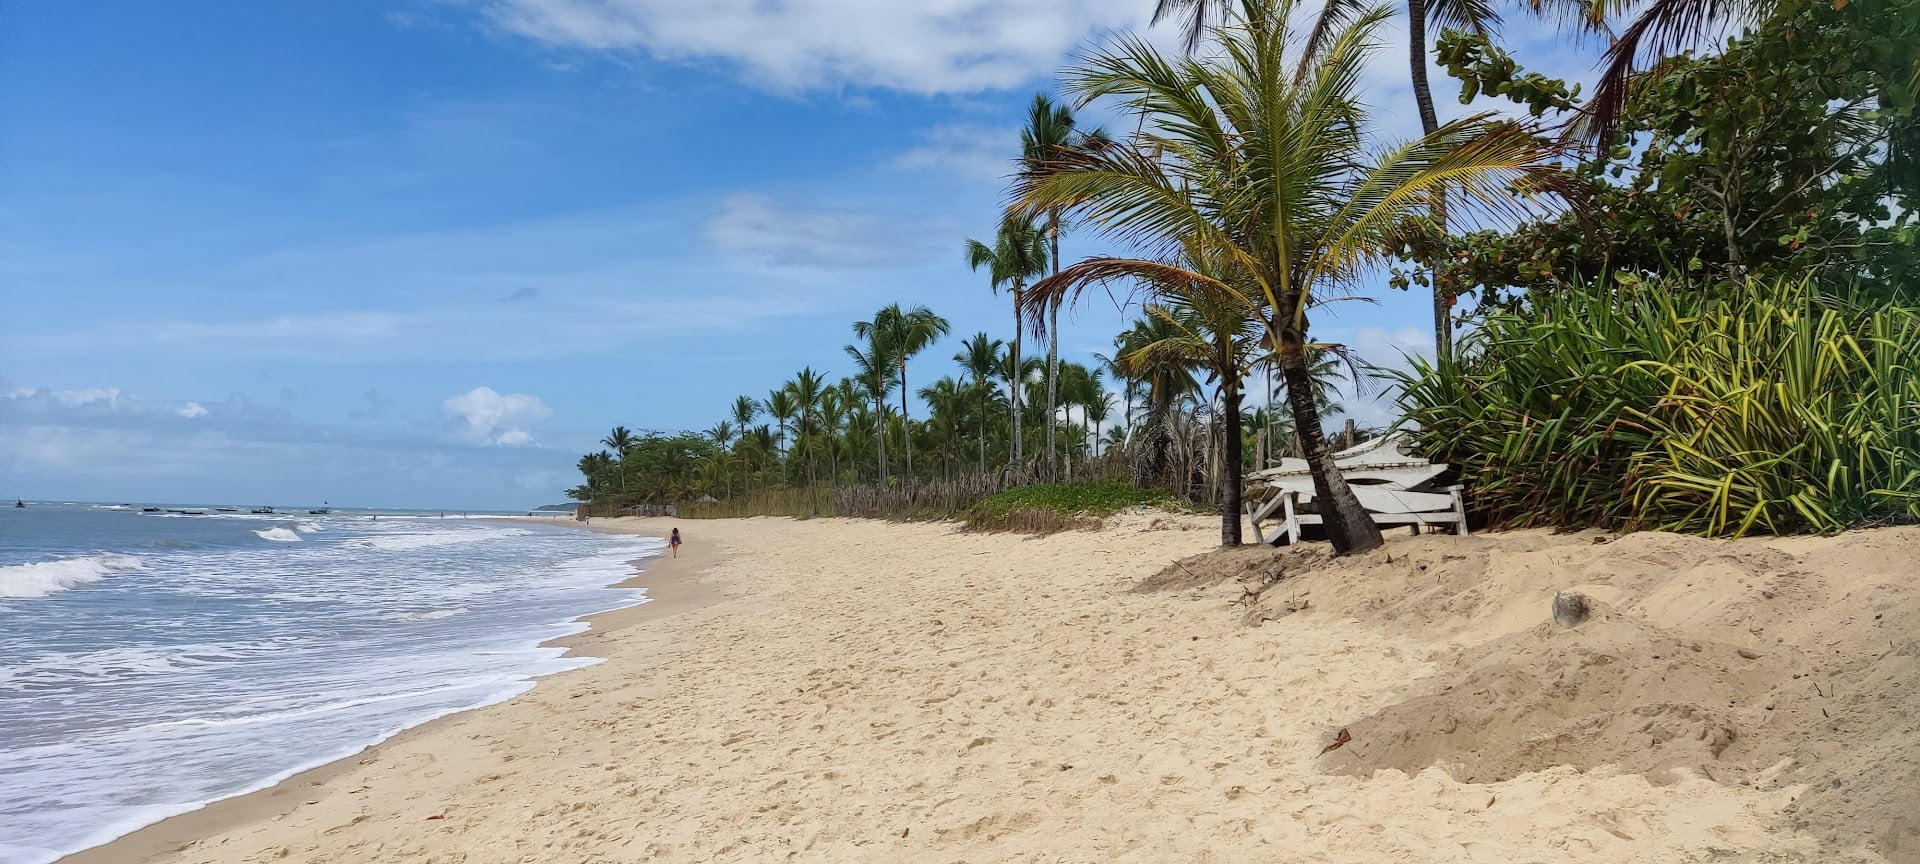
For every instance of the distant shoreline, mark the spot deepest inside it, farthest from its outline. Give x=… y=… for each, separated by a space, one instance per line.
x=672 y=586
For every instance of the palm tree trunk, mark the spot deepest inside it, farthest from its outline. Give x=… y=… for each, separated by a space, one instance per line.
x=813 y=492
x=1417 y=11
x=1348 y=526
x=880 y=433
x=1014 y=385
x=1230 y=469
x=906 y=423
x=1053 y=345
x=981 y=386
x=1053 y=384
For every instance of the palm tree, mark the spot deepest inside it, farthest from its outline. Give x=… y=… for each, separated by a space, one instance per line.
x=1018 y=253
x=620 y=440
x=1258 y=158
x=722 y=435
x=781 y=408
x=1098 y=410
x=978 y=357
x=1167 y=380
x=1016 y=371
x=946 y=400
x=1474 y=16
x=833 y=415
x=871 y=372
x=804 y=390
x=905 y=332
x=1051 y=132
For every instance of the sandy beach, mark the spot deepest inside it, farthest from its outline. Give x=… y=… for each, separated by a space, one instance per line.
x=839 y=690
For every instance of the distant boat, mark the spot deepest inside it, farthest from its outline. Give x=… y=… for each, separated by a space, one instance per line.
x=18 y=503
x=150 y=510
x=189 y=512
x=325 y=508
x=226 y=509
x=265 y=511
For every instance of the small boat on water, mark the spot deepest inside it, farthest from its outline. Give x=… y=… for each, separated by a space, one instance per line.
x=226 y=509
x=151 y=510
x=263 y=511
x=189 y=512
x=18 y=503
x=325 y=508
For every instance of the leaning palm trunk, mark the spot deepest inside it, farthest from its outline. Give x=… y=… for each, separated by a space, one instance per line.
x=1349 y=527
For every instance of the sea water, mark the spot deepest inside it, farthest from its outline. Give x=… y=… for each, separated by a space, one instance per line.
x=152 y=663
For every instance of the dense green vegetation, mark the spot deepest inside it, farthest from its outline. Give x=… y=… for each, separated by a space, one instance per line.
x=1760 y=406
x=1687 y=302
x=1045 y=507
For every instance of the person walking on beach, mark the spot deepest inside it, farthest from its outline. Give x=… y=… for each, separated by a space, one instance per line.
x=674 y=541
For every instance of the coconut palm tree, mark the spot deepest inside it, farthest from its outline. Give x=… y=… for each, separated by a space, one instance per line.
x=833 y=416
x=780 y=407
x=1257 y=156
x=1016 y=371
x=1018 y=254
x=804 y=391
x=1587 y=17
x=872 y=368
x=905 y=333
x=1098 y=410
x=978 y=357
x=1051 y=131
x=621 y=442
x=946 y=400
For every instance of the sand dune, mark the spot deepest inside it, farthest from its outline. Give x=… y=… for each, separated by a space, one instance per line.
x=907 y=693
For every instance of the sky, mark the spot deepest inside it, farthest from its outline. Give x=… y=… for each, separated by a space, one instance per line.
x=425 y=253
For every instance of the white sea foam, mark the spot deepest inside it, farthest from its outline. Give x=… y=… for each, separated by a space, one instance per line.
x=308 y=527
x=209 y=674
x=405 y=542
x=50 y=577
x=433 y=615
x=277 y=535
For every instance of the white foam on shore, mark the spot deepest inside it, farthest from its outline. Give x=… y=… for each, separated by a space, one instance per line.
x=51 y=577
x=213 y=747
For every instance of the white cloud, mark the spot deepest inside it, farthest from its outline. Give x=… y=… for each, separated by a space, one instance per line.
x=89 y=396
x=334 y=327
x=981 y=152
x=759 y=228
x=23 y=392
x=495 y=418
x=192 y=409
x=930 y=46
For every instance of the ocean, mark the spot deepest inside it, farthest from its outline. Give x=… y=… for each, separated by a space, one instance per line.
x=152 y=663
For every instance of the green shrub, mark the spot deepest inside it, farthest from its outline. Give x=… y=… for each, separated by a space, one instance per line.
x=1761 y=407
x=1049 y=507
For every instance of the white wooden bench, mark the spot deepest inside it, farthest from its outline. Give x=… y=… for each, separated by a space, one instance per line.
x=1382 y=474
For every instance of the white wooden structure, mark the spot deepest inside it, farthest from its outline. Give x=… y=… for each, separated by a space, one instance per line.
x=1394 y=486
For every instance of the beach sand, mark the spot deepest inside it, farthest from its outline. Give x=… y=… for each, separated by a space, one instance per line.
x=853 y=691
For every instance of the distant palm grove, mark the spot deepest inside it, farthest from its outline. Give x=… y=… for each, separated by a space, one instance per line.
x=1685 y=302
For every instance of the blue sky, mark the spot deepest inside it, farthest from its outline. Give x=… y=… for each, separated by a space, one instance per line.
x=426 y=252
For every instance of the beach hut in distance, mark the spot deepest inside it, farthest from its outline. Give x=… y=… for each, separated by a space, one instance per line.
x=1394 y=485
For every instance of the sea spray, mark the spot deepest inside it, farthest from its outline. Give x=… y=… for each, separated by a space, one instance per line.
x=22 y=581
